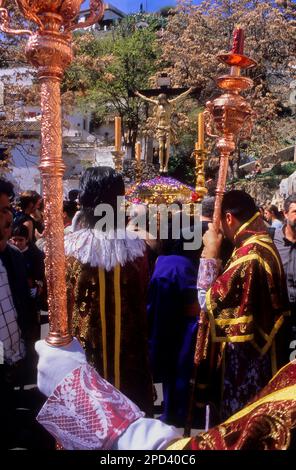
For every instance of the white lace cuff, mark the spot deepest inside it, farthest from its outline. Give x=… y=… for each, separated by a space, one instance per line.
x=208 y=272
x=85 y=412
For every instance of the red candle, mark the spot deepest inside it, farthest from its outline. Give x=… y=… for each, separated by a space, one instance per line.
x=238 y=41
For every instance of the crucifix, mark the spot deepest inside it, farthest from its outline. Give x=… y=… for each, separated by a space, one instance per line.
x=163 y=113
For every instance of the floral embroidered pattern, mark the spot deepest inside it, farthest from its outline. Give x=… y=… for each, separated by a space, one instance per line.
x=86 y=413
x=208 y=271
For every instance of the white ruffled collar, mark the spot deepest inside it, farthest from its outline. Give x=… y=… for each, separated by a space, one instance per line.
x=104 y=250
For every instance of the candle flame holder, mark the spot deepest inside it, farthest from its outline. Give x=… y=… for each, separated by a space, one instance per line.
x=118 y=160
x=228 y=118
x=200 y=156
x=49 y=49
x=138 y=172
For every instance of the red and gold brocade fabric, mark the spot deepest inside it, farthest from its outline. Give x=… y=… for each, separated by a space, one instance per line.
x=248 y=302
x=107 y=311
x=264 y=424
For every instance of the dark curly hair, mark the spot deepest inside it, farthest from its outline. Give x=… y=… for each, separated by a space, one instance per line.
x=99 y=185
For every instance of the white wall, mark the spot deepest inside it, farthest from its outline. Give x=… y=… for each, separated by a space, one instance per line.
x=24 y=166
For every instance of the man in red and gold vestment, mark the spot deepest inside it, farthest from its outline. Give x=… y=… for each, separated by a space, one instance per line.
x=246 y=305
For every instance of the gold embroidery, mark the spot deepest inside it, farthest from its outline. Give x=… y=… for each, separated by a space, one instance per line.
x=82 y=307
x=287 y=393
x=281 y=370
x=102 y=282
x=234 y=321
x=250 y=257
x=260 y=241
x=117 y=326
x=179 y=444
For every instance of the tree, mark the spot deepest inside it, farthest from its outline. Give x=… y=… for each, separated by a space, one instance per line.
x=16 y=92
x=288 y=8
x=196 y=34
x=109 y=68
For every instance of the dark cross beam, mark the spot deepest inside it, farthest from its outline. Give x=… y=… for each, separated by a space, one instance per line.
x=166 y=90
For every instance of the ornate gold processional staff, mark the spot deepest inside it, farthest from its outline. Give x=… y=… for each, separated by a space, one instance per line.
x=228 y=118
x=49 y=49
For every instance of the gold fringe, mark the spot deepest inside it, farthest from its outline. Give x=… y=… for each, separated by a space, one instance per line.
x=117 y=326
x=102 y=283
x=179 y=444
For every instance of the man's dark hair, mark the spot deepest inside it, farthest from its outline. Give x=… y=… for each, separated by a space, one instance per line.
x=6 y=187
x=240 y=204
x=20 y=231
x=290 y=200
x=27 y=198
x=73 y=195
x=99 y=185
x=70 y=207
x=207 y=207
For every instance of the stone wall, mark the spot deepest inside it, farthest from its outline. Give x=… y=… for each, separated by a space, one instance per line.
x=263 y=191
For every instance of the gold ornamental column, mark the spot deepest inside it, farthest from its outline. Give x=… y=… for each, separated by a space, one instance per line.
x=49 y=49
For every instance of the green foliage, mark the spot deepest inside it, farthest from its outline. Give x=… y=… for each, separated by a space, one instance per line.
x=109 y=67
x=182 y=164
x=284 y=170
x=288 y=168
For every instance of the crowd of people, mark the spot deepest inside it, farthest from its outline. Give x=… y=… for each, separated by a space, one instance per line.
x=134 y=307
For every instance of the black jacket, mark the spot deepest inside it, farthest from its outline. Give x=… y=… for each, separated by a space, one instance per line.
x=14 y=263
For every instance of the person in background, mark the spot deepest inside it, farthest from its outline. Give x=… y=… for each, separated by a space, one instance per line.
x=27 y=204
x=6 y=194
x=173 y=309
x=37 y=215
x=69 y=211
x=73 y=195
x=24 y=300
x=35 y=270
x=273 y=216
x=12 y=342
x=34 y=259
x=285 y=241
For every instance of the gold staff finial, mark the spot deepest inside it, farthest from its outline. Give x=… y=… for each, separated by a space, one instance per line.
x=117 y=152
x=230 y=115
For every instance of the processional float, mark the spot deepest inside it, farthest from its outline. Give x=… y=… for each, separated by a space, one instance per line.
x=165 y=189
x=49 y=49
x=229 y=117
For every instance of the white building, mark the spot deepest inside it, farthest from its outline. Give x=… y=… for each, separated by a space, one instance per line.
x=81 y=148
x=112 y=15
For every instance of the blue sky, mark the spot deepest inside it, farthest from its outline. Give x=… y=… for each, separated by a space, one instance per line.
x=128 y=6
